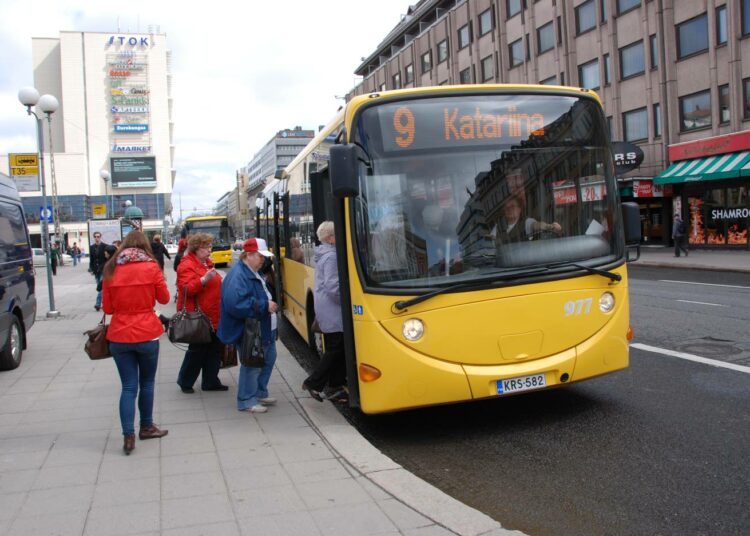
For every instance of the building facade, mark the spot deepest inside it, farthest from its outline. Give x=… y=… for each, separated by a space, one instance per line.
x=115 y=115
x=669 y=72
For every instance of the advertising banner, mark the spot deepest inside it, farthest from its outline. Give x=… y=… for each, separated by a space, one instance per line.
x=110 y=229
x=133 y=171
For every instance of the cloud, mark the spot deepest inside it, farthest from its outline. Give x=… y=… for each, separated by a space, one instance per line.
x=241 y=71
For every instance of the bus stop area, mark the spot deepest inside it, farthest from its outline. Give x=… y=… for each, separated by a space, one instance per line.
x=298 y=469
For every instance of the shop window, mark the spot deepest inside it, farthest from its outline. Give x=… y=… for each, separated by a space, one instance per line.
x=588 y=75
x=545 y=38
x=738 y=214
x=635 y=123
x=695 y=111
x=409 y=74
x=485 y=22
x=585 y=17
x=515 y=52
x=724 y=104
x=692 y=36
x=631 y=60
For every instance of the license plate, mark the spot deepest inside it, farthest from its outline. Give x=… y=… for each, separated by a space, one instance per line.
x=522 y=383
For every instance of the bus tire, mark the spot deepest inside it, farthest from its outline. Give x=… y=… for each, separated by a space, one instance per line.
x=12 y=352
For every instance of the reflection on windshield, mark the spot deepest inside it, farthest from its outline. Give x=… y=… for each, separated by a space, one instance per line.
x=451 y=214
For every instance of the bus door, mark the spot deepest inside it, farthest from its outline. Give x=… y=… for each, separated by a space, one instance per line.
x=280 y=237
x=322 y=200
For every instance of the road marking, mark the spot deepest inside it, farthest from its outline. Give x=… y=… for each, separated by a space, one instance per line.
x=691 y=357
x=702 y=303
x=695 y=283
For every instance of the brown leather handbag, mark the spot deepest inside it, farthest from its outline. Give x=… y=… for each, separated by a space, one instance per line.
x=192 y=327
x=229 y=356
x=97 y=345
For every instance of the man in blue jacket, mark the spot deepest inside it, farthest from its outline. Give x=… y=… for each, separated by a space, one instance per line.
x=244 y=294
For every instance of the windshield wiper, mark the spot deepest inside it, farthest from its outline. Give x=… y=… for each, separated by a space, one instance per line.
x=605 y=273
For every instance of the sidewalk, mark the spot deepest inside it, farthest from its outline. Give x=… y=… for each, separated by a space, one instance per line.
x=703 y=259
x=298 y=469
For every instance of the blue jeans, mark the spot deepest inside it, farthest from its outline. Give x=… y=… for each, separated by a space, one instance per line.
x=253 y=381
x=136 y=363
x=98 y=278
x=75 y=259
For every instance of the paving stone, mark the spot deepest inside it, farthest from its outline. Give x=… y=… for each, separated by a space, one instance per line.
x=345 y=520
x=195 y=511
x=58 y=500
x=191 y=485
x=69 y=524
x=258 y=477
x=134 y=518
x=266 y=502
x=190 y=463
x=127 y=492
x=66 y=475
x=332 y=493
x=289 y=524
x=316 y=471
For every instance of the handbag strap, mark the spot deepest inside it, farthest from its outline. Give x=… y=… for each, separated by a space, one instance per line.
x=103 y=321
x=184 y=301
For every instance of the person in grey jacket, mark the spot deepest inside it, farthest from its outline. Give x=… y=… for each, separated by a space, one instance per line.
x=331 y=369
x=678 y=235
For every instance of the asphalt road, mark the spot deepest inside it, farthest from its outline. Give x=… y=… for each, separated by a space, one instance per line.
x=660 y=448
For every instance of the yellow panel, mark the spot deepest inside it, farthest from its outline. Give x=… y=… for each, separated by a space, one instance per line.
x=299 y=281
x=607 y=350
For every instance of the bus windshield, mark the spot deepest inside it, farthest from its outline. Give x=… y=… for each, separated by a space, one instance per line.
x=475 y=187
x=218 y=228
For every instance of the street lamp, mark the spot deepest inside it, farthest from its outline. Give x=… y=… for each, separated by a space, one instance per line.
x=104 y=174
x=29 y=96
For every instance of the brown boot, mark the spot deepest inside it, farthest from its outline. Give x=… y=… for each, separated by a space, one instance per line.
x=151 y=432
x=128 y=444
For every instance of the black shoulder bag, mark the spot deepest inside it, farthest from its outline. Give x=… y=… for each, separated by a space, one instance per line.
x=192 y=327
x=251 y=347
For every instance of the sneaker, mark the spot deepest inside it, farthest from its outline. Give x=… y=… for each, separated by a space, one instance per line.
x=268 y=401
x=257 y=409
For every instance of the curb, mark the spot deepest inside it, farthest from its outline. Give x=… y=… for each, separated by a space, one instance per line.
x=343 y=439
x=657 y=264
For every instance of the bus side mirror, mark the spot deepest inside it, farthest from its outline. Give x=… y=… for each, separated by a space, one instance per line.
x=344 y=170
x=631 y=217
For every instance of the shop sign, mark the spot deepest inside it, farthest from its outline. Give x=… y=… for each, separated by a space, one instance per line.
x=131 y=128
x=649 y=189
x=730 y=213
x=627 y=156
x=123 y=40
x=129 y=109
x=131 y=101
x=730 y=143
x=131 y=148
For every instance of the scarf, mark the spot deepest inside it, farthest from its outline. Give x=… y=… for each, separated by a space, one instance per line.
x=133 y=255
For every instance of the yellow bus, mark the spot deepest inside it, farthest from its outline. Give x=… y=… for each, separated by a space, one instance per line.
x=480 y=238
x=218 y=227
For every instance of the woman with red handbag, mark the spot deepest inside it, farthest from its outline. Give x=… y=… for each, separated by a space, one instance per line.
x=132 y=283
x=196 y=275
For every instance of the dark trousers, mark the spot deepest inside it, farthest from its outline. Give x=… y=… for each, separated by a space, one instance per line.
x=54 y=265
x=205 y=358
x=331 y=368
x=679 y=245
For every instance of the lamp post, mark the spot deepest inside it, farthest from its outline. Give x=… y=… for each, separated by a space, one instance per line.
x=104 y=174
x=29 y=96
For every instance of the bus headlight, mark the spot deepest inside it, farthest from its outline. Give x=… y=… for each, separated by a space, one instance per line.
x=607 y=302
x=413 y=329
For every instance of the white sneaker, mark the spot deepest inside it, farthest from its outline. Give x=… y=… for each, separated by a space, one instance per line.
x=258 y=409
x=268 y=401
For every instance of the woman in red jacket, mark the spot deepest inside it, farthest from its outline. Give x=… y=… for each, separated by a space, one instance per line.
x=197 y=276
x=132 y=283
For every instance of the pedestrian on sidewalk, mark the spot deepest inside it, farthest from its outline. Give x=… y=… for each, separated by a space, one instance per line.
x=246 y=295
x=199 y=282
x=97 y=259
x=331 y=368
x=132 y=284
x=678 y=235
x=54 y=257
x=160 y=250
x=75 y=252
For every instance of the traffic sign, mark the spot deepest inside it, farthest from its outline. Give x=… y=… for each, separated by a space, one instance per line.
x=24 y=170
x=45 y=214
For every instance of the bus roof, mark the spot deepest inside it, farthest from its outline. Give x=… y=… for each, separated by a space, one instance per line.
x=205 y=218
x=329 y=129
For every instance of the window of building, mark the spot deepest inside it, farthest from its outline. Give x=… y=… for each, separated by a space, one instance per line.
x=528 y=47
x=382 y=87
x=486 y=22
x=635 y=123
x=464 y=36
x=695 y=111
x=545 y=38
x=623 y=6
x=607 y=70
x=657 y=120
x=588 y=75
x=653 y=51
x=745 y=9
x=515 y=52
x=427 y=61
x=724 y=104
x=397 y=81
x=442 y=50
x=559 y=30
x=585 y=17
x=551 y=81
x=488 y=68
x=514 y=7
x=464 y=77
x=409 y=74
x=746 y=97
x=692 y=36
x=631 y=60
x=603 y=8
x=721 y=25
x=562 y=78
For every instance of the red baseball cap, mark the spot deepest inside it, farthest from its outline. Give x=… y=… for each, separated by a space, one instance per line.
x=256 y=244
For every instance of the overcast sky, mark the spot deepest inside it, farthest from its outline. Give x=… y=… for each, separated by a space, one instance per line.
x=241 y=71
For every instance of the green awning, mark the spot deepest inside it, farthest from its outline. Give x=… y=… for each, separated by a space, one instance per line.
x=723 y=166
